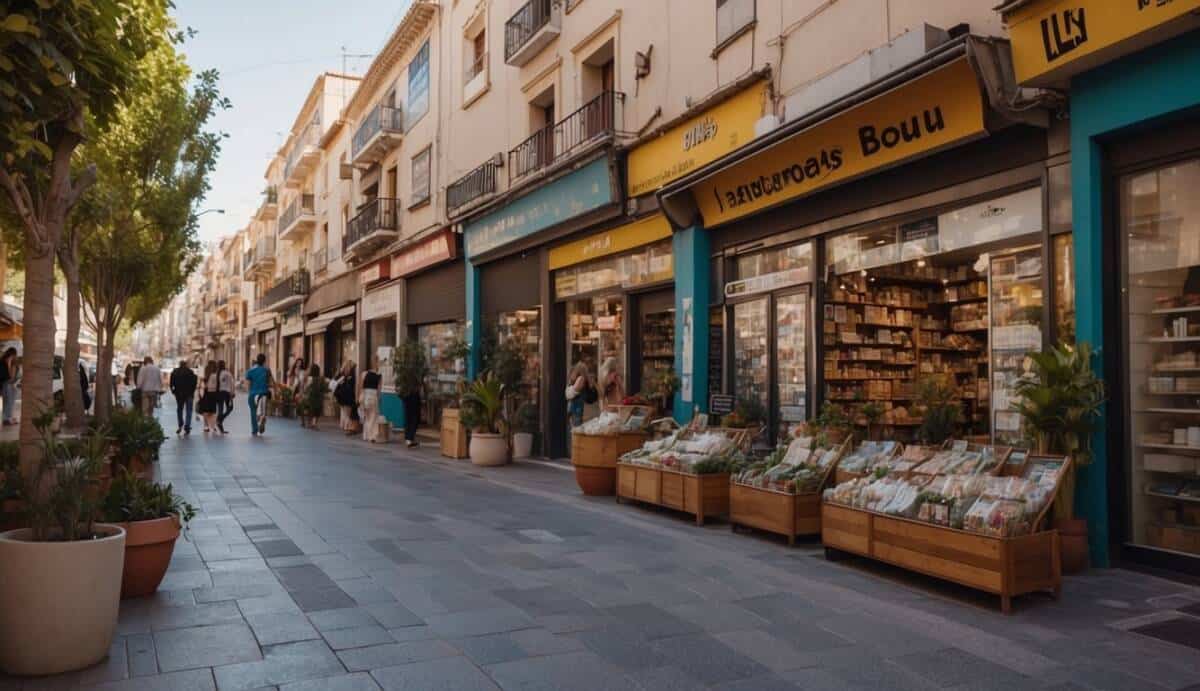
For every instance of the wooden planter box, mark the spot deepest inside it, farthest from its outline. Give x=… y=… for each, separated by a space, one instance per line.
x=595 y=459
x=454 y=434
x=700 y=495
x=1004 y=566
x=777 y=512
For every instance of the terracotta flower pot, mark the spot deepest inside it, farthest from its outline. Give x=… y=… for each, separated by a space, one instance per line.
x=1073 y=535
x=58 y=601
x=488 y=449
x=148 y=549
x=596 y=482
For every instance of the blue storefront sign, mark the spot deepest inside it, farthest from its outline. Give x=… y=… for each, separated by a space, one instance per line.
x=573 y=195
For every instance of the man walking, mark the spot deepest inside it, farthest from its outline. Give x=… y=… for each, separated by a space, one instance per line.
x=149 y=381
x=183 y=386
x=259 y=378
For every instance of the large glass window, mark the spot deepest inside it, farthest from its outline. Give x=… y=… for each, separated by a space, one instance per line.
x=651 y=264
x=523 y=327
x=751 y=353
x=1160 y=226
x=791 y=377
x=596 y=337
x=445 y=370
x=418 y=87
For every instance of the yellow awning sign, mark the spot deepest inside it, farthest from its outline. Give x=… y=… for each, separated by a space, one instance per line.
x=941 y=108
x=1055 y=39
x=614 y=241
x=696 y=142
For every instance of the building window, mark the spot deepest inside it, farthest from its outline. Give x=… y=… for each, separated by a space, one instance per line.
x=732 y=17
x=420 y=177
x=418 y=87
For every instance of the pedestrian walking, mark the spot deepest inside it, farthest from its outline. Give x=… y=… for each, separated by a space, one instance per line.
x=209 y=397
x=311 y=398
x=225 y=394
x=183 y=386
x=297 y=373
x=578 y=392
x=369 y=402
x=343 y=393
x=8 y=384
x=259 y=378
x=149 y=382
x=412 y=416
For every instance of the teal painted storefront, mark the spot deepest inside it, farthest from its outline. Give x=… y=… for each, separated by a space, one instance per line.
x=691 y=249
x=1142 y=90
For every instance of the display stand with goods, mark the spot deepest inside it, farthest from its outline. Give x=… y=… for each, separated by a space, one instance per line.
x=782 y=493
x=863 y=460
x=687 y=471
x=964 y=523
x=598 y=443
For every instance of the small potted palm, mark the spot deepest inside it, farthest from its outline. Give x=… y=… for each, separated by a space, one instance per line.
x=483 y=412
x=941 y=411
x=152 y=515
x=1059 y=401
x=525 y=425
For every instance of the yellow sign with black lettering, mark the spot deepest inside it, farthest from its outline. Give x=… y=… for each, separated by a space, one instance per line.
x=696 y=142
x=934 y=111
x=1055 y=39
x=619 y=239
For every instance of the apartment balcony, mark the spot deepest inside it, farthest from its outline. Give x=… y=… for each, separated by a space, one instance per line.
x=298 y=219
x=475 y=79
x=304 y=155
x=291 y=290
x=531 y=29
x=473 y=188
x=377 y=224
x=594 y=122
x=379 y=133
x=320 y=260
x=269 y=209
x=261 y=259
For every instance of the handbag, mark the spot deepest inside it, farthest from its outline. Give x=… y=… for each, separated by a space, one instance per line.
x=590 y=395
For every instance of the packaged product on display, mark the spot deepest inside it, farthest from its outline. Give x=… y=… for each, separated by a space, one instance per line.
x=604 y=423
x=798 y=468
x=699 y=453
x=869 y=455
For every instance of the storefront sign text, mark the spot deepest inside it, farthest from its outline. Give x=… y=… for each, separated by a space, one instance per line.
x=379 y=271
x=626 y=237
x=384 y=302
x=1055 y=39
x=433 y=250
x=697 y=142
x=939 y=109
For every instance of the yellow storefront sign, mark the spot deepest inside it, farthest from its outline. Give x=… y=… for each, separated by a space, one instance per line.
x=619 y=239
x=697 y=142
x=1057 y=38
x=941 y=108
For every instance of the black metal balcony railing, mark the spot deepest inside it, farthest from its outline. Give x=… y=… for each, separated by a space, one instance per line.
x=301 y=205
x=556 y=142
x=474 y=185
x=377 y=214
x=475 y=68
x=523 y=25
x=271 y=195
x=379 y=118
x=295 y=285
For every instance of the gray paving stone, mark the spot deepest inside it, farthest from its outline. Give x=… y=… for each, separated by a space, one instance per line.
x=504 y=647
x=357 y=637
x=769 y=651
x=345 y=618
x=389 y=655
x=275 y=628
x=279 y=603
x=580 y=671
x=281 y=664
x=205 y=646
x=143 y=660
x=446 y=674
x=479 y=623
x=538 y=602
x=236 y=592
x=190 y=680
x=716 y=617
x=392 y=615
x=306 y=577
x=319 y=599
x=278 y=548
x=359 y=681
x=651 y=622
x=622 y=647
x=708 y=660
x=951 y=667
x=662 y=679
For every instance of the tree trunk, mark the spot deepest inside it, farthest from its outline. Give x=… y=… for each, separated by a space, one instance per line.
x=72 y=387
x=104 y=382
x=38 y=342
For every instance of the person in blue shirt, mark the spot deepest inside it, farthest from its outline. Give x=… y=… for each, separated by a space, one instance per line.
x=259 y=377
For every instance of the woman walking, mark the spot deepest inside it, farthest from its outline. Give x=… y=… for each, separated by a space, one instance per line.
x=578 y=391
x=225 y=393
x=369 y=401
x=343 y=393
x=209 y=397
x=312 y=397
x=296 y=376
x=8 y=384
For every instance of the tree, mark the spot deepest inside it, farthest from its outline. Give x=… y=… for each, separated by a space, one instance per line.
x=136 y=227
x=61 y=62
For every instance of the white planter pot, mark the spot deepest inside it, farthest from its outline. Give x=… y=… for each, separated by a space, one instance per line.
x=58 y=601
x=488 y=449
x=522 y=444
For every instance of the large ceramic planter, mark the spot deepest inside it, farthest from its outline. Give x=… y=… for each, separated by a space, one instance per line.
x=58 y=601
x=148 y=548
x=522 y=444
x=488 y=449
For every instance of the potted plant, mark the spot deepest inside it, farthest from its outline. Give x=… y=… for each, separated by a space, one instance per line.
x=872 y=413
x=152 y=515
x=662 y=389
x=832 y=424
x=1059 y=401
x=12 y=507
x=284 y=400
x=61 y=576
x=136 y=440
x=525 y=425
x=941 y=412
x=483 y=411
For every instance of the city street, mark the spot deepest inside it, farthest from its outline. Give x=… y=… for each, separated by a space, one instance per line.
x=322 y=562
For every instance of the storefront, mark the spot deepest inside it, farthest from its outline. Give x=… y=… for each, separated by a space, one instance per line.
x=508 y=279
x=434 y=316
x=1135 y=186
x=381 y=328
x=291 y=330
x=330 y=326
x=892 y=245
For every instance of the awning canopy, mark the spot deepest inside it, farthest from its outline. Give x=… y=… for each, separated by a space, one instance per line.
x=322 y=321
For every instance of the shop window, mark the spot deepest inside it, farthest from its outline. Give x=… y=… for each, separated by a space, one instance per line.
x=445 y=370
x=652 y=264
x=523 y=327
x=421 y=177
x=596 y=337
x=418 y=87
x=1064 y=288
x=733 y=16
x=1160 y=228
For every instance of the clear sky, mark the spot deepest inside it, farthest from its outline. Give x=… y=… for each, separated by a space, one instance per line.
x=269 y=52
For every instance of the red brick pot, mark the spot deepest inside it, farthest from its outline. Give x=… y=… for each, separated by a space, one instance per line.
x=148 y=548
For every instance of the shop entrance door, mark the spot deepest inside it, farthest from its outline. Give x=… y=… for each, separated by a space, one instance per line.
x=653 y=350
x=770 y=344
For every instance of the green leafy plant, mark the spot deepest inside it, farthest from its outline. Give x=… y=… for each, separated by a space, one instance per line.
x=483 y=401
x=747 y=412
x=831 y=424
x=714 y=465
x=1059 y=401
x=940 y=409
x=506 y=361
x=134 y=436
x=131 y=498
x=60 y=490
x=526 y=418
x=313 y=400
x=410 y=366
x=872 y=412
x=663 y=385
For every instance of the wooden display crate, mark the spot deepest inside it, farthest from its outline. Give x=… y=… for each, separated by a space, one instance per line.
x=595 y=459
x=775 y=511
x=454 y=434
x=1004 y=566
x=700 y=495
